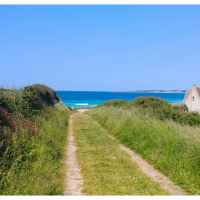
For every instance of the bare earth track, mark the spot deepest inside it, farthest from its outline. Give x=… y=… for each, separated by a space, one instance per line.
x=149 y=170
x=74 y=180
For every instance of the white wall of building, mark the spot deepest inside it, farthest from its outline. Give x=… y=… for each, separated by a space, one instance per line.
x=193 y=100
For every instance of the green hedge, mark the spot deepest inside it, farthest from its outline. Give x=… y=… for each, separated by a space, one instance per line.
x=32 y=131
x=159 y=108
x=116 y=103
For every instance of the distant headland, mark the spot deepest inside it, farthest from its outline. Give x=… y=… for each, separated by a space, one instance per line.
x=156 y=91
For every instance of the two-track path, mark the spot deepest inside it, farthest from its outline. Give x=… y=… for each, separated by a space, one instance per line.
x=74 y=181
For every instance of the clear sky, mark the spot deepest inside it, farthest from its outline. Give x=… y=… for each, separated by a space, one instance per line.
x=100 y=47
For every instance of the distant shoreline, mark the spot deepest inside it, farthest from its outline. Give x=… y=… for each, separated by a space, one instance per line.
x=151 y=91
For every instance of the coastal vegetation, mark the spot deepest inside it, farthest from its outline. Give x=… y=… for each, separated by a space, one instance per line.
x=149 y=127
x=116 y=103
x=106 y=169
x=180 y=107
x=33 y=130
x=158 y=108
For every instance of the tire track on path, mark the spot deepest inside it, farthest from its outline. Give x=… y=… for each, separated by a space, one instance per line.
x=150 y=171
x=74 y=181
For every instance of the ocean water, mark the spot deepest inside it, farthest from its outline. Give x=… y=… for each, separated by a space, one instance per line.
x=76 y=99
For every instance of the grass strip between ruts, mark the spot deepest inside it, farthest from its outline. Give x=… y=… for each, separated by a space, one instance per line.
x=105 y=168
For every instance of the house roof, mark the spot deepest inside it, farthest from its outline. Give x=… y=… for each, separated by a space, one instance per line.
x=198 y=89
x=186 y=94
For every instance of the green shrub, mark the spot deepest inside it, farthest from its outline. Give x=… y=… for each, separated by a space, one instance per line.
x=28 y=101
x=10 y=99
x=32 y=136
x=181 y=107
x=148 y=103
x=38 y=96
x=159 y=108
x=5 y=119
x=31 y=154
x=116 y=103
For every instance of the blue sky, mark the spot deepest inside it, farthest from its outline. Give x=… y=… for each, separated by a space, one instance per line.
x=100 y=47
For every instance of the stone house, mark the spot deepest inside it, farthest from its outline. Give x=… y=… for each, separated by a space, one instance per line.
x=192 y=99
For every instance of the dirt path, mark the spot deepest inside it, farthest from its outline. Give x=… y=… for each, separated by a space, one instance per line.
x=74 y=180
x=82 y=110
x=149 y=170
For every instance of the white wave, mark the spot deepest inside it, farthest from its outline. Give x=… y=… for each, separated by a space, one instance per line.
x=94 y=105
x=80 y=104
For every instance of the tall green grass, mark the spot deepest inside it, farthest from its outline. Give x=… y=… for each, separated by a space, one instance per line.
x=33 y=131
x=159 y=108
x=171 y=148
x=38 y=168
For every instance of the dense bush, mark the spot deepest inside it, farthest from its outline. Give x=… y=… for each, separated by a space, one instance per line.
x=116 y=103
x=22 y=113
x=180 y=107
x=5 y=119
x=10 y=99
x=39 y=95
x=16 y=134
x=158 y=108
x=147 y=102
x=28 y=101
x=15 y=139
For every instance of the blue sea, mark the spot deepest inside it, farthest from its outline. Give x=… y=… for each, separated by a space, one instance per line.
x=76 y=99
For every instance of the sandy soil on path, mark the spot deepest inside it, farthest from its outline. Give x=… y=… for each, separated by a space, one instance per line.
x=74 y=181
x=149 y=170
x=82 y=110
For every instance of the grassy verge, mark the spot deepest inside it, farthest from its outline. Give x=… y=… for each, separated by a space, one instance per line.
x=170 y=147
x=37 y=169
x=105 y=168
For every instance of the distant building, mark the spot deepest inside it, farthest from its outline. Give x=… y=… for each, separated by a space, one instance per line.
x=192 y=99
